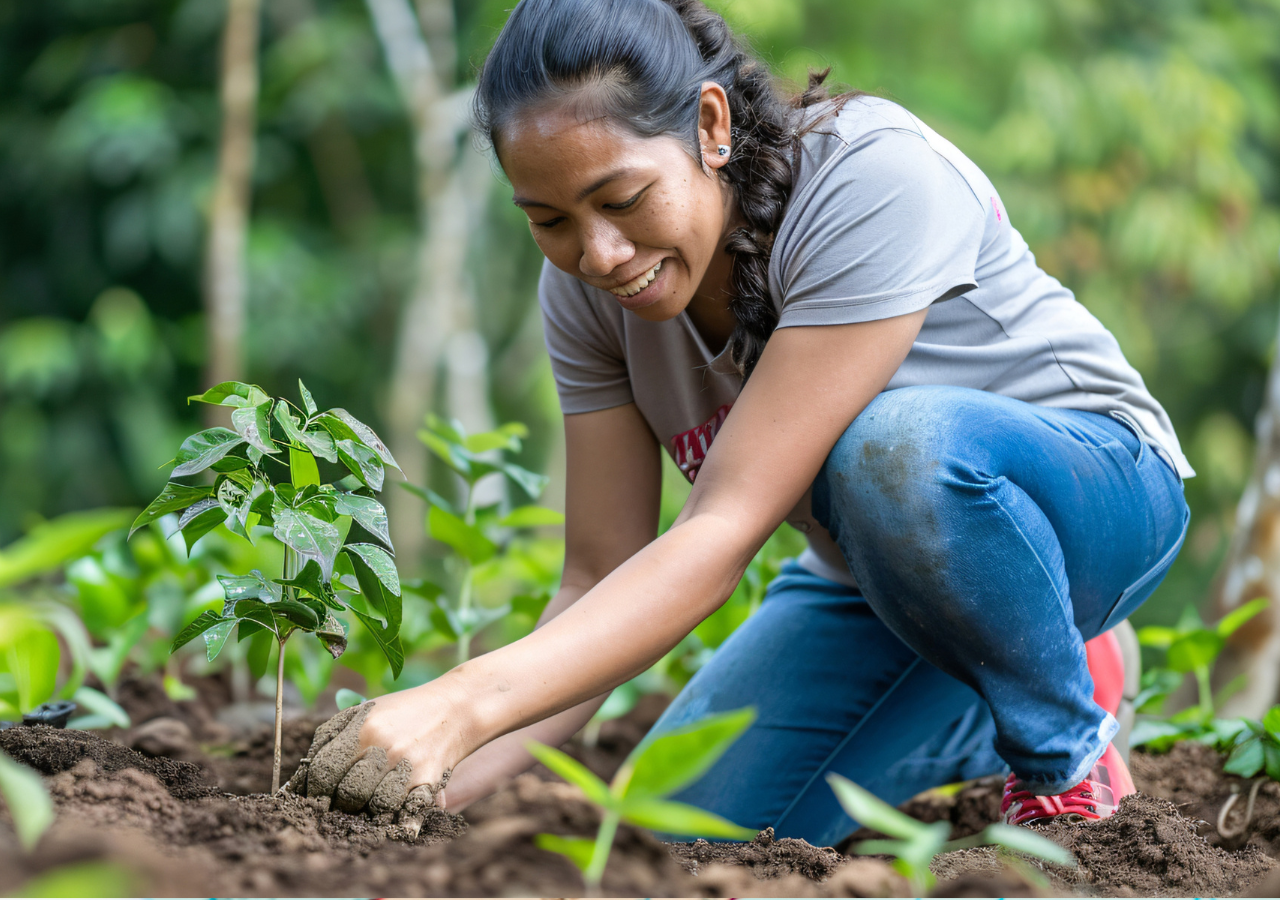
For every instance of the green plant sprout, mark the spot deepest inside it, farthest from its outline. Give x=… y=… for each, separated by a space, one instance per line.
x=21 y=788
x=477 y=535
x=914 y=844
x=1190 y=648
x=654 y=770
x=337 y=548
x=1257 y=748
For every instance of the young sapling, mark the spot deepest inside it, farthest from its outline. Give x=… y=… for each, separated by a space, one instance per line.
x=337 y=548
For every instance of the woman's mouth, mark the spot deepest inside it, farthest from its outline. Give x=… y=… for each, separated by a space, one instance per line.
x=640 y=290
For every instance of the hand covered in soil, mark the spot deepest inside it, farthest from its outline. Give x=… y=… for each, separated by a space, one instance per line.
x=359 y=778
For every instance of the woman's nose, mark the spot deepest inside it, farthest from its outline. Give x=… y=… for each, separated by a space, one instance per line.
x=604 y=249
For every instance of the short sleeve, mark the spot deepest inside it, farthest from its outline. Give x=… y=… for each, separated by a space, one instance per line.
x=585 y=345
x=886 y=227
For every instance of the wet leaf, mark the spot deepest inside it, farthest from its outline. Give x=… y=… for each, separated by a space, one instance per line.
x=388 y=641
x=216 y=637
x=362 y=462
x=200 y=518
x=308 y=404
x=311 y=580
x=235 y=394
x=380 y=562
x=371 y=514
x=199 y=626
x=333 y=634
x=298 y=613
x=311 y=537
x=318 y=443
x=203 y=449
x=254 y=424
x=252 y=586
x=353 y=428
x=173 y=497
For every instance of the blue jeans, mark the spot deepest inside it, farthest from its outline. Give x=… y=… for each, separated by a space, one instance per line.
x=990 y=538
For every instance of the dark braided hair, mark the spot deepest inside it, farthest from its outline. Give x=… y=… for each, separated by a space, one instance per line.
x=642 y=63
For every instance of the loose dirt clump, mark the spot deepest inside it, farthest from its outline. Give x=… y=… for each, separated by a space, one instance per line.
x=766 y=857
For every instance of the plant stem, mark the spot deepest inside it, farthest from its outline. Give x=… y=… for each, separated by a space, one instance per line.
x=275 y=765
x=464 y=589
x=594 y=873
x=1206 y=692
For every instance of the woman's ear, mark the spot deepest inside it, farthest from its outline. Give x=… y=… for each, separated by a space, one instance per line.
x=714 y=126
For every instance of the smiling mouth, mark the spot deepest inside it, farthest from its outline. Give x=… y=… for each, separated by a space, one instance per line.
x=635 y=286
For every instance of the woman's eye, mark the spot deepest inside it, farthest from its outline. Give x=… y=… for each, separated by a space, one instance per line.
x=624 y=204
x=550 y=223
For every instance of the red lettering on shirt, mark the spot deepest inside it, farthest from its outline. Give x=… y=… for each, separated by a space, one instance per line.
x=690 y=447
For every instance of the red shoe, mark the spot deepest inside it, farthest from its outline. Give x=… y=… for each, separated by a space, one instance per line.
x=1097 y=797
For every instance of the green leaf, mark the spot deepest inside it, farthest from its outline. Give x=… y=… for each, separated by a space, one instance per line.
x=1247 y=759
x=577 y=850
x=311 y=537
x=358 y=431
x=261 y=643
x=1158 y=636
x=203 y=449
x=1237 y=617
x=681 y=818
x=388 y=641
x=51 y=544
x=311 y=580
x=469 y=542
x=28 y=801
x=174 y=497
x=237 y=503
x=33 y=663
x=573 y=772
x=452 y=431
x=420 y=587
x=505 y=438
x=216 y=637
x=1271 y=721
x=101 y=711
x=319 y=443
x=430 y=496
x=1271 y=757
x=368 y=512
x=445 y=621
x=302 y=468
x=202 y=623
x=254 y=424
x=307 y=403
x=379 y=562
x=252 y=586
x=870 y=811
x=347 y=698
x=235 y=394
x=1196 y=649
x=362 y=463
x=531 y=605
x=666 y=764
x=1027 y=842
x=1157 y=684
x=450 y=454
x=531 y=517
x=298 y=613
x=531 y=483
x=1156 y=735
x=333 y=634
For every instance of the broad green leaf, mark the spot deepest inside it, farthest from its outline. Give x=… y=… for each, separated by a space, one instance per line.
x=681 y=818
x=367 y=511
x=577 y=850
x=380 y=562
x=531 y=517
x=531 y=483
x=308 y=404
x=319 y=443
x=258 y=612
x=1271 y=758
x=388 y=641
x=33 y=663
x=298 y=613
x=420 y=587
x=445 y=621
x=302 y=468
x=203 y=449
x=231 y=463
x=362 y=463
x=1247 y=759
x=430 y=496
x=254 y=424
x=870 y=811
x=333 y=634
x=235 y=394
x=202 y=623
x=100 y=711
x=573 y=772
x=237 y=504
x=359 y=432
x=347 y=698
x=1026 y=841
x=452 y=430
x=252 y=586
x=174 y=497
x=1157 y=684
x=492 y=440
x=451 y=455
x=1194 y=650
x=1237 y=617
x=28 y=802
x=311 y=580
x=1155 y=735
x=258 y=656
x=216 y=637
x=311 y=537
x=1158 y=636
x=467 y=540
x=530 y=605
x=680 y=757
x=1271 y=721
x=51 y=544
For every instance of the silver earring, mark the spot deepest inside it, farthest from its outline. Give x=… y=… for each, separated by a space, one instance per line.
x=723 y=149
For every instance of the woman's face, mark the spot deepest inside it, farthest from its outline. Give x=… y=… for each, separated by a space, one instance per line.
x=638 y=217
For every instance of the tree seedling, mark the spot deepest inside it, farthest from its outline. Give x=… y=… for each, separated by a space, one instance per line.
x=653 y=771
x=914 y=844
x=337 y=548
x=1191 y=648
x=1257 y=748
x=476 y=536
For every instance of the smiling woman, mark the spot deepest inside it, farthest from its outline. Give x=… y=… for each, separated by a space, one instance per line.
x=820 y=308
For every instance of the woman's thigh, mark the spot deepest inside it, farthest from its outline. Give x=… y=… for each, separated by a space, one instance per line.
x=834 y=691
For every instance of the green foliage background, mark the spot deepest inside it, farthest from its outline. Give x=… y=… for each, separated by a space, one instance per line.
x=1133 y=142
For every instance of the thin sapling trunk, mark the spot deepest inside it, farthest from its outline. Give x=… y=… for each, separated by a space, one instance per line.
x=275 y=763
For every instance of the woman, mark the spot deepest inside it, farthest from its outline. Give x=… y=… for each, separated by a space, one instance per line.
x=835 y=296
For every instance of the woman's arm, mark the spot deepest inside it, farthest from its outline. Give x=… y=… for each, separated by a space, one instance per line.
x=612 y=497
x=810 y=384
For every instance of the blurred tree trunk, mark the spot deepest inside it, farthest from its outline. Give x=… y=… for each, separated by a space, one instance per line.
x=224 y=274
x=439 y=318
x=1252 y=569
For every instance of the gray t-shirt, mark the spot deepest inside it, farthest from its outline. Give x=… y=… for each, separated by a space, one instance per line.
x=886 y=218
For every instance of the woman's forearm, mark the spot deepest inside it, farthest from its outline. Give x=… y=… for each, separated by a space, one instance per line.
x=613 y=633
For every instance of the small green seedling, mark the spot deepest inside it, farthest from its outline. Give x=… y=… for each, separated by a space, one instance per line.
x=1191 y=648
x=655 y=769
x=914 y=844
x=476 y=536
x=1257 y=748
x=338 y=553
x=20 y=787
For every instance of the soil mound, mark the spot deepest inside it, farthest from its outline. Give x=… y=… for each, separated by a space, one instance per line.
x=52 y=750
x=766 y=857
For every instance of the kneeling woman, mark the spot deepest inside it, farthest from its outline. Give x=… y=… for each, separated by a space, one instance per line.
x=822 y=311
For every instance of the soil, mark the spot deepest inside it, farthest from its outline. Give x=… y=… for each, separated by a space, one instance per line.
x=178 y=802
